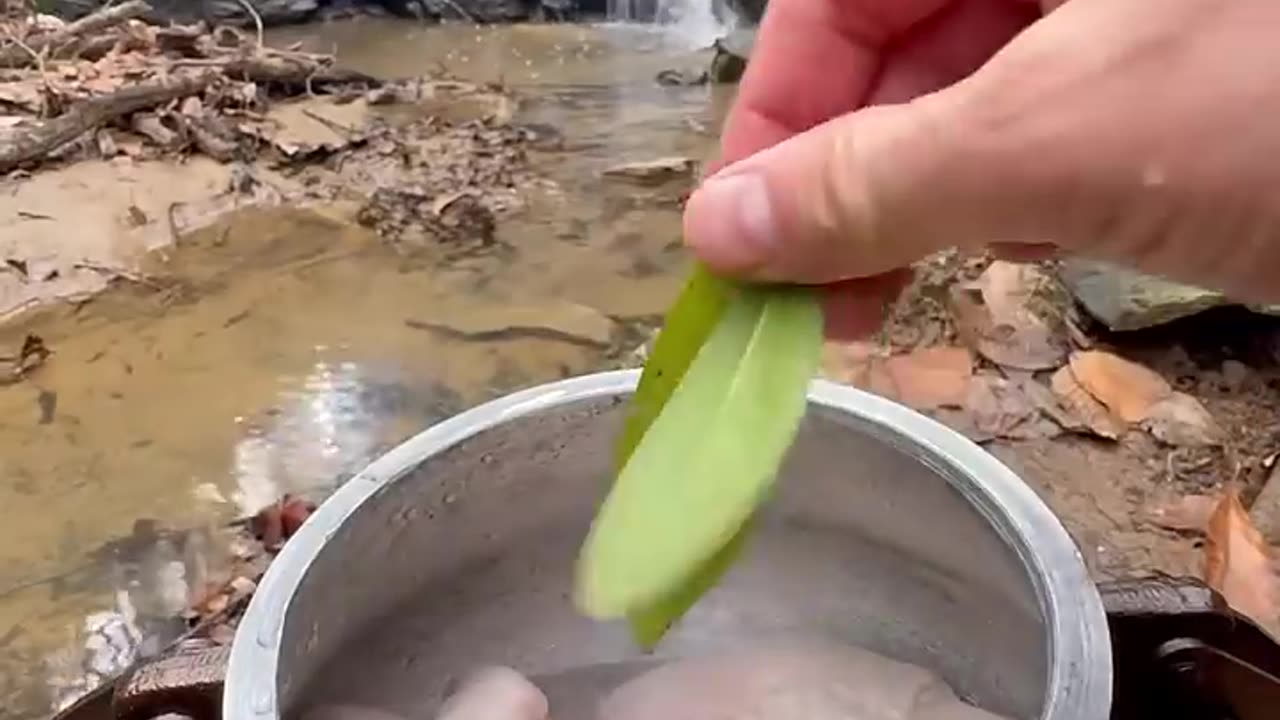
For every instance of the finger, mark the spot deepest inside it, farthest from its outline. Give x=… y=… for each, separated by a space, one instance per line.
x=947 y=47
x=865 y=193
x=1023 y=252
x=854 y=309
x=813 y=60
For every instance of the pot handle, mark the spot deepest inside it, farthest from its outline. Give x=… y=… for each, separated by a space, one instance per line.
x=1180 y=653
x=185 y=682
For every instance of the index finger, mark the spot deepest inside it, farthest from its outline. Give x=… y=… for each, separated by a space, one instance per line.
x=813 y=60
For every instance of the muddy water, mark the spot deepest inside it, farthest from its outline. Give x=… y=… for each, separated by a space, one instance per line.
x=287 y=347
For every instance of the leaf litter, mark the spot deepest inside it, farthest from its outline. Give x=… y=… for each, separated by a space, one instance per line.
x=1241 y=566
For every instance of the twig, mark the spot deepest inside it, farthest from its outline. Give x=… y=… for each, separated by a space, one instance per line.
x=15 y=56
x=38 y=57
x=116 y=272
x=257 y=19
x=332 y=125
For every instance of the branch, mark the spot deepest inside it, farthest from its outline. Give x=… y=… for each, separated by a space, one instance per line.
x=15 y=56
x=29 y=144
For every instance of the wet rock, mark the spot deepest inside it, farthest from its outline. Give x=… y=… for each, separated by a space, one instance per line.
x=673 y=77
x=566 y=322
x=1124 y=300
x=653 y=172
x=745 y=12
x=731 y=54
x=487 y=11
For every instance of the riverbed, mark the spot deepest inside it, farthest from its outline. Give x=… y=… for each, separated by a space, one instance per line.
x=294 y=345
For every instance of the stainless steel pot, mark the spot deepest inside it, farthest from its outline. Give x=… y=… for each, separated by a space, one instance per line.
x=889 y=531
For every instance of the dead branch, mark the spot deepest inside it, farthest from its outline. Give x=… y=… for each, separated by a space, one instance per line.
x=15 y=56
x=28 y=144
x=270 y=66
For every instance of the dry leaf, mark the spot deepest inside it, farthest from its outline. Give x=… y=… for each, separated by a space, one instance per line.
x=1049 y=404
x=1238 y=564
x=859 y=364
x=1076 y=399
x=1128 y=389
x=1186 y=513
x=930 y=378
x=1181 y=420
x=925 y=379
x=1008 y=290
x=1012 y=340
x=997 y=408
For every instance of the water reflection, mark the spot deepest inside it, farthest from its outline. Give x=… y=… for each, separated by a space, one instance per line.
x=336 y=419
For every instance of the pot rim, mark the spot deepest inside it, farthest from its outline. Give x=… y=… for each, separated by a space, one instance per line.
x=1080 y=662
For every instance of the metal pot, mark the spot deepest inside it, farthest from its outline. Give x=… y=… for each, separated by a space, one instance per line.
x=888 y=531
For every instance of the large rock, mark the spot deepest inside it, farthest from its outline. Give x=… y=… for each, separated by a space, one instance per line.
x=745 y=12
x=487 y=11
x=731 y=54
x=1123 y=299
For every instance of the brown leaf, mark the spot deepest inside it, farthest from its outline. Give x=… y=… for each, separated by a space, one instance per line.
x=930 y=378
x=860 y=364
x=1049 y=404
x=1095 y=416
x=1014 y=340
x=1008 y=290
x=1186 y=512
x=1181 y=420
x=1239 y=565
x=997 y=408
x=1128 y=389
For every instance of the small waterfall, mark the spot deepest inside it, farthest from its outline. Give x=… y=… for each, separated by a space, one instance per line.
x=688 y=23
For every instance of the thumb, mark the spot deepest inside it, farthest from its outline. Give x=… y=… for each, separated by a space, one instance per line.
x=860 y=195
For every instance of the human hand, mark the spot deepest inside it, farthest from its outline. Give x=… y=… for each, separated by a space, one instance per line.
x=870 y=133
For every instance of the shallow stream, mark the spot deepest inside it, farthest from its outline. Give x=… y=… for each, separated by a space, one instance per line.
x=295 y=352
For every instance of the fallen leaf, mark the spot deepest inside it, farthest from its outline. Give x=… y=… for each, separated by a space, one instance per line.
x=1012 y=340
x=858 y=364
x=24 y=95
x=1050 y=404
x=930 y=378
x=1184 y=513
x=1181 y=420
x=1128 y=389
x=1077 y=400
x=1239 y=565
x=998 y=408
